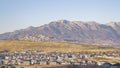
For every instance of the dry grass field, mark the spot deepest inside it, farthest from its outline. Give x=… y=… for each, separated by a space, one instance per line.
x=13 y=45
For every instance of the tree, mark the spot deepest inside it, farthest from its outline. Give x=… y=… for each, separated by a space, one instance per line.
x=2 y=67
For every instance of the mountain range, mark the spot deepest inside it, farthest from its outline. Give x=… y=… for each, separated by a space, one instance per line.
x=70 y=31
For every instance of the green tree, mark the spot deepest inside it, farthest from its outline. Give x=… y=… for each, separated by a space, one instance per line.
x=2 y=67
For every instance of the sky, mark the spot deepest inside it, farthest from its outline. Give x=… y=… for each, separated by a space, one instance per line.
x=20 y=14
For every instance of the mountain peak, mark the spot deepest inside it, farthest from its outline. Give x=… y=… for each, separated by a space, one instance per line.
x=30 y=27
x=113 y=24
x=62 y=20
x=92 y=23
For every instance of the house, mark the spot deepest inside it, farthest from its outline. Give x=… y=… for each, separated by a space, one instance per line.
x=25 y=62
x=53 y=62
x=43 y=63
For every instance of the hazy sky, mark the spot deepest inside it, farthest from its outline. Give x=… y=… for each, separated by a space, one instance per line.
x=18 y=14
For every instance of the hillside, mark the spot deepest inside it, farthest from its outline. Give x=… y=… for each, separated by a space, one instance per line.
x=13 y=45
x=70 y=31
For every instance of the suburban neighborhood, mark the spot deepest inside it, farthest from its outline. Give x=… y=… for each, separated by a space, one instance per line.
x=40 y=57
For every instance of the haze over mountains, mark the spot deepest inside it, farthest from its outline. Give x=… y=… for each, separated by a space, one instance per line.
x=70 y=31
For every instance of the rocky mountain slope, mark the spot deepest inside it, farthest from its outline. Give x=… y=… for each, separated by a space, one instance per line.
x=70 y=31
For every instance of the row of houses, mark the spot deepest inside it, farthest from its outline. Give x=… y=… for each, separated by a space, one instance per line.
x=38 y=57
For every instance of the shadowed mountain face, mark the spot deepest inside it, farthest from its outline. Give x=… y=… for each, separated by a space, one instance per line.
x=70 y=31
